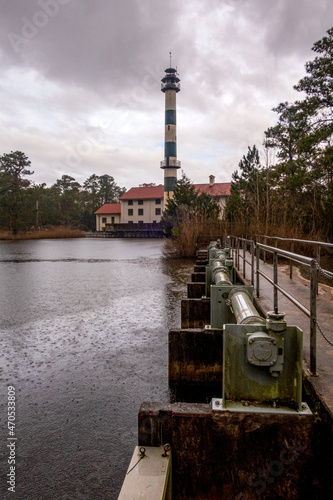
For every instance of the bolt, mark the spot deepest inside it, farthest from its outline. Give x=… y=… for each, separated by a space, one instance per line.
x=272 y=363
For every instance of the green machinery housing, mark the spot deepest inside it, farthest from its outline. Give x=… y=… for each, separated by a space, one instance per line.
x=262 y=357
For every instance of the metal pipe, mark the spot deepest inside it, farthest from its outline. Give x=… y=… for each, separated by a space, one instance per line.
x=220 y=274
x=221 y=278
x=244 y=310
x=217 y=263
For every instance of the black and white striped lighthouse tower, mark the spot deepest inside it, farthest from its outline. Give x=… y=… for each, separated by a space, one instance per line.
x=170 y=86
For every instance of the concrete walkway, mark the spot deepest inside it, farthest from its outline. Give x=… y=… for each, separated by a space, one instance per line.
x=299 y=287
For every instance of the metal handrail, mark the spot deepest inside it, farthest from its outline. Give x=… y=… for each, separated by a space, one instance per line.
x=236 y=243
x=318 y=245
x=289 y=255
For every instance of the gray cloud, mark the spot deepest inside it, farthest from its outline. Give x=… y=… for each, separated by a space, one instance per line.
x=80 y=85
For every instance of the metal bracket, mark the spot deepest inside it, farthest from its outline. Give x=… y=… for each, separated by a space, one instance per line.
x=218 y=405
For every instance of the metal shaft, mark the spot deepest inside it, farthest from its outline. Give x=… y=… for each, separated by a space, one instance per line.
x=220 y=274
x=244 y=310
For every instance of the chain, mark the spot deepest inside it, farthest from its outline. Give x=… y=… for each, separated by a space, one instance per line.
x=323 y=272
x=321 y=331
x=143 y=455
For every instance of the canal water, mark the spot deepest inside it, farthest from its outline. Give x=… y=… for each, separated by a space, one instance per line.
x=84 y=336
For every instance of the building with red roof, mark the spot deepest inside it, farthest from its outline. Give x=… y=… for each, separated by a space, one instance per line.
x=142 y=204
x=107 y=215
x=220 y=191
x=145 y=204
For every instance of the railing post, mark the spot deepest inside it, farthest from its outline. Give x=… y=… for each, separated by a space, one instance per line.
x=238 y=248
x=318 y=248
x=265 y=243
x=292 y=247
x=252 y=262
x=244 y=250
x=318 y=260
x=275 y=272
x=313 y=317
x=257 y=269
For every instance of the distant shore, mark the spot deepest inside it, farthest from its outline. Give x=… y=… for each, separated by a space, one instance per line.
x=56 y=232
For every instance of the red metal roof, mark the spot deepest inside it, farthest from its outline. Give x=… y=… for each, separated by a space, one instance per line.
x=109 y=208
x=144 y=193
x=151 y=192
x=217 y=189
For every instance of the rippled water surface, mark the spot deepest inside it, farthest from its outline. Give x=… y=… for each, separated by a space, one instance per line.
x=83 y=335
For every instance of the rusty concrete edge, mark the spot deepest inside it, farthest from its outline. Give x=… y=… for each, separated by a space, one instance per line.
x=157 y=409
x=309 y=382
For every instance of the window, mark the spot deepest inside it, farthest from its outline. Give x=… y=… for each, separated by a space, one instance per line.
x=157 y=211
x=140 y=202
x=140 y=221
x=103 y=220
x=130 y=211
x=130 y=222
x=158 y=201
x=112 y=220
x=140 y=211
x=130 y=202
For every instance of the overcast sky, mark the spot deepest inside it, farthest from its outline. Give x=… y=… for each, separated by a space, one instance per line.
x=80 y=81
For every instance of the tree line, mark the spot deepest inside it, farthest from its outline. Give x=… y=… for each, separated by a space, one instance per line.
x=25 y=205
x=288 y=186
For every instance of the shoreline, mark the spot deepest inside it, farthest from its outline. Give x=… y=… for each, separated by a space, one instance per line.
x=43 y=234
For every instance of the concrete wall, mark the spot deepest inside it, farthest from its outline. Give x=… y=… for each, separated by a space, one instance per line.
x=232 y=455
x=109 y=219
x=149 y=208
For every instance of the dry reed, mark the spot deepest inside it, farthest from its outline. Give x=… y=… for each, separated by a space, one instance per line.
x=54 y=232
x=184 y=240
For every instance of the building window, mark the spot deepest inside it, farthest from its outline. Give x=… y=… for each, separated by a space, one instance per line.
x=140 y=202
x=158 y=201
x=130 y=222
x=140 y=211
x=130 y=211
x=130 y=202
x=112 y=220
x=157 y=211
x=140 y=221
x=103 y=220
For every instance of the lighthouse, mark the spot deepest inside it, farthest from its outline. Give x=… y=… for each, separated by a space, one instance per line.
x=170 y=86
